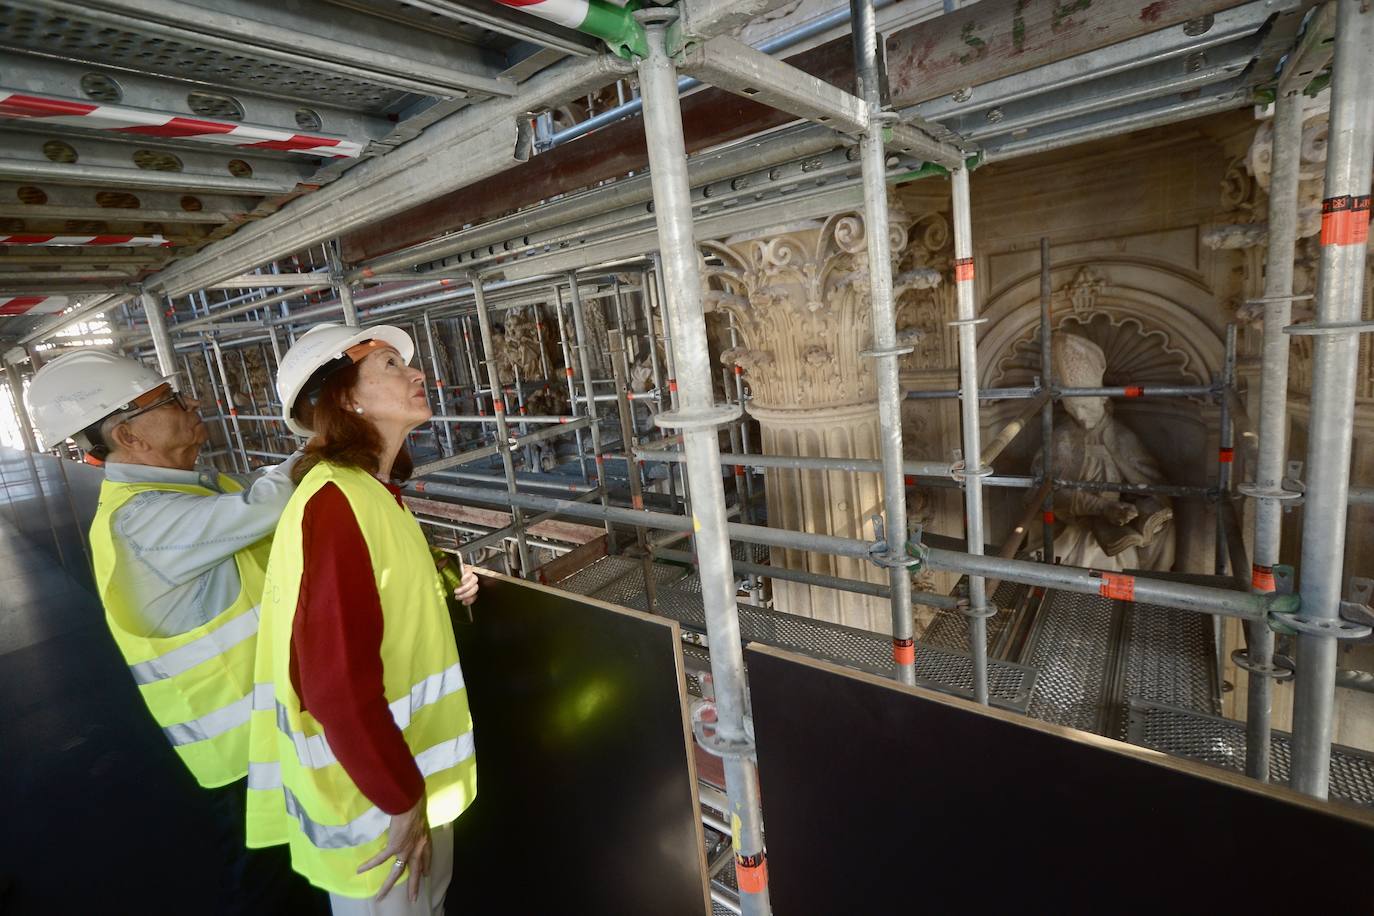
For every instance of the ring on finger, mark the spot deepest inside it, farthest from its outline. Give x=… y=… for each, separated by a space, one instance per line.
x=400 y=863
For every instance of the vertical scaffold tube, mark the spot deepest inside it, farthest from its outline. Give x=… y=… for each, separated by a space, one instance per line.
x=968 y=409
x=502 y=430
x=1273 y=421
x=584 y=361
x=341 y=287
x=885 y=352
x=1335 y=352
x=698 y=418
x=1047 y=412
x=157 y=326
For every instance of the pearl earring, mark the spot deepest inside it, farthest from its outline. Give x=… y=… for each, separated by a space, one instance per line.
x=357 y=410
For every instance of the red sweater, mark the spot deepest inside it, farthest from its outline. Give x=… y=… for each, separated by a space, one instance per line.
x=336 y=662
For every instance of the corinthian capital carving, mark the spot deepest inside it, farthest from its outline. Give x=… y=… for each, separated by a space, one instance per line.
x=800 y=298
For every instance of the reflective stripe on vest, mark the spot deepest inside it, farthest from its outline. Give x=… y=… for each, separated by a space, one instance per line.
x=212 y=724
x=299 y=793
x=196 y=684
x=184 y=658
x=313 y=751
x=373 y=822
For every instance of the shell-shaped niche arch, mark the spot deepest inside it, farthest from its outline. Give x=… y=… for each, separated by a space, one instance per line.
x=1136 y=354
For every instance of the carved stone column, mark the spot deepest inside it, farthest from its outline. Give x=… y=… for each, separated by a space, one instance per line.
x=799 y=297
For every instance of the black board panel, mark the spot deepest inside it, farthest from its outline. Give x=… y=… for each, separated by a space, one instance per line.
x=586 y=789
x=880 y=798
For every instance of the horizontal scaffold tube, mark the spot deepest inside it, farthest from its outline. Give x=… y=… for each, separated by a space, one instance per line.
x=1200 y=598
x=927 y=469
x=1115 y=391
x=929 y=599
x=486 y=451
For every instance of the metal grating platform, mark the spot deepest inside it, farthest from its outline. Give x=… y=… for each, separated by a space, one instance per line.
x=1221 y=742
x=1070 y=647
x=949 y=628
x=620 y=579
x=1168 y=660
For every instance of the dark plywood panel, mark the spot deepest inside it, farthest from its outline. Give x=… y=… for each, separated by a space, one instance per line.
x=586 y=789
x=881 y=798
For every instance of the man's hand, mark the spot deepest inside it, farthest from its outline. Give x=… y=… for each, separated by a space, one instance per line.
x=467 y=591
x=407 y=850
x=1119 y=513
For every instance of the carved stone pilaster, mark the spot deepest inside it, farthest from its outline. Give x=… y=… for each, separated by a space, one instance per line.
x=837 y=503
x=799 y=296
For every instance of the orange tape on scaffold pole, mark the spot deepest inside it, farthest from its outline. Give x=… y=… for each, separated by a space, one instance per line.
x=963 y=269
x=1116 y=586
x=751 y=872
x=1262 y=578
x=1345 y=220
x=904 y=651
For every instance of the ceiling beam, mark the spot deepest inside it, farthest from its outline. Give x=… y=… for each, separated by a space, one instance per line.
x=710 y=117
x=310 y=35
x=474 y=144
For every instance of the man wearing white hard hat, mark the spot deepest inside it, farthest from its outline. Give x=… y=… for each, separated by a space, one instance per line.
x=179 y=556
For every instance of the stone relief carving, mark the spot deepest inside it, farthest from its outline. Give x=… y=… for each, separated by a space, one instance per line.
x=925 y=302
x=1136 y=352
x=518 y=347
x=1082 y=291
x=799 y=297
x=1108 y=530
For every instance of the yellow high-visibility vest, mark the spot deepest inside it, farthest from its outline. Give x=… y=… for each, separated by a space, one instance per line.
x=298 y=792
x=198 y=685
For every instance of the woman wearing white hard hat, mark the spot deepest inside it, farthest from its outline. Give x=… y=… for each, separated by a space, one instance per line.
x=365 y=754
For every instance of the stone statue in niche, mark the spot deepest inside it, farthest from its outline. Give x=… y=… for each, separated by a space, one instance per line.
x=1108 y=530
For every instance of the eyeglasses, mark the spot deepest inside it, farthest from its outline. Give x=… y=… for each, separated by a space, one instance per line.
x=173 y=397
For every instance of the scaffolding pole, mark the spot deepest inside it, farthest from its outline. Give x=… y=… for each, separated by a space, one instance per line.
x=503 y=439
x=974 y=471
x=342 y=289
x=698 y=419
x=1047 y=411
x=885 y=351
x=584 y=359
x=1267 y=489
x=157 y=325
x=1335 y=357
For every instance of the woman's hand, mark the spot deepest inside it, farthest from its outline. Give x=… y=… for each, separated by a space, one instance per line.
x=407 y=849
x=467 y=591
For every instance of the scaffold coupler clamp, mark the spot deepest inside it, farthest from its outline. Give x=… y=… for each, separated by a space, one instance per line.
x=703 y=715
x=1289 y=490
x=1279 y=581
x=1357 y=610
x=959 y=469
x=883 y=555
x=1285 y=614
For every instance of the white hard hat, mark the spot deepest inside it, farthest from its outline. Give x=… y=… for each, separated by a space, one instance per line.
x=77 y=390
x=316 y=349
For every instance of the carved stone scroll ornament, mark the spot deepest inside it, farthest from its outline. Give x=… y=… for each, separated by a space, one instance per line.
x=799 y=295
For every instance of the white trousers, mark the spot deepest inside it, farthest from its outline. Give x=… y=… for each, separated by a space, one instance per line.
x=433 y=887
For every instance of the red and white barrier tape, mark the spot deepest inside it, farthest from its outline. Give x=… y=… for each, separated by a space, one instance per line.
x=36 y=305
x=126 y=120
x=129 y=241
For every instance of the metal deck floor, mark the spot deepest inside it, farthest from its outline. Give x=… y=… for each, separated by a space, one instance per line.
x=1134 y=672
x=621 y=580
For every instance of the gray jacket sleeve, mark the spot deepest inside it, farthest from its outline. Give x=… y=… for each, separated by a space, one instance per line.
x=179 y=536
